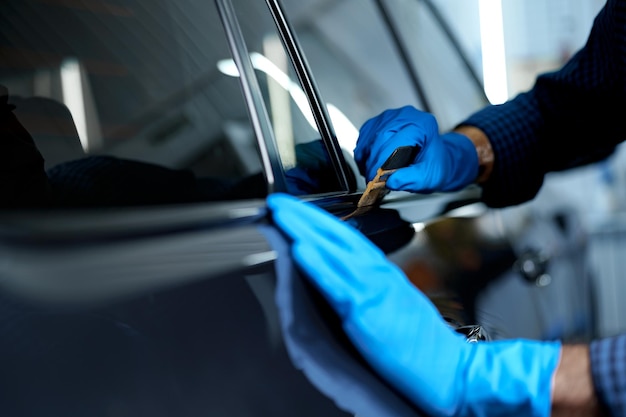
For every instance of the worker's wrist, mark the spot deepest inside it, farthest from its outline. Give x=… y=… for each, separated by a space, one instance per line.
x=483 y=150
x=573 y=393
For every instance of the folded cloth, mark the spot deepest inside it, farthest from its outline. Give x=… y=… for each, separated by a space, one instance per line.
x=320 y=349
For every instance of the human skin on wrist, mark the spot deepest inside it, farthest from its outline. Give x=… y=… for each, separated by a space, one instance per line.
x=573 y=393
x=483 y=150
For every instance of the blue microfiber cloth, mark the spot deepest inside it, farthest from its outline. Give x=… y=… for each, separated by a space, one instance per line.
x=320 y=349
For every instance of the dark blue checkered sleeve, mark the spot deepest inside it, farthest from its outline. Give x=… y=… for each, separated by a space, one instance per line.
x=570 y=117
x=608 y=369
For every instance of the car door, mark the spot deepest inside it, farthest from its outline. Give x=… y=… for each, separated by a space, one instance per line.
x=136 y=281
x=140 y=141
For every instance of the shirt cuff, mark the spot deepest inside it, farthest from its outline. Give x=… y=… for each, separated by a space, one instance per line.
x=608 y=369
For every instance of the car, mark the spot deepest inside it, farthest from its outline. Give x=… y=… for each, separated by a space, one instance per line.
x=141 y=139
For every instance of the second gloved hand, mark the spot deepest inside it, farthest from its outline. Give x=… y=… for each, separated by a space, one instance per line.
x=446 y=162
x=400 y=332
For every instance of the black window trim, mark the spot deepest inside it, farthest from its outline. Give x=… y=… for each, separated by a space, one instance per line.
x=255 y=103
x=403 y=49
x=317 y=105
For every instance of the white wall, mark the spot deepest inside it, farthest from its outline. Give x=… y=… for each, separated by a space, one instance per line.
x=538 y=34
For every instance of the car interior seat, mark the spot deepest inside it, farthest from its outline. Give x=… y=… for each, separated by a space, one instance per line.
x=51 y=126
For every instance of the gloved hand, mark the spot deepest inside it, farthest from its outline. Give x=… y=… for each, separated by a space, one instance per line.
x=401 y=334
x=445 y=163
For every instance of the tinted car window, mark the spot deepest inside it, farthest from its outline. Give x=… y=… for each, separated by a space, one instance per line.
x=145 y=93
x=133 y=102
x=302 y=154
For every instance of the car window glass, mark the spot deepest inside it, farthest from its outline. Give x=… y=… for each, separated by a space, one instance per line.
x=448 y=80
x=303 y=156
x=355 y=62
x=126 y=104
x=361 y=72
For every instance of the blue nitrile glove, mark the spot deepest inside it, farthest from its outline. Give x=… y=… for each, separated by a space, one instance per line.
x=446 y=162
x=400 y=332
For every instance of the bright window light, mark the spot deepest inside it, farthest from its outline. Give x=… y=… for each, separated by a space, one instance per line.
x=74 y=98
x=279 y=101
x=261 y=63
x=492 y=43
x=347 y=133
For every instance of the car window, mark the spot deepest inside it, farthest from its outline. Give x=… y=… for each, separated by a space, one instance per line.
x=395 y=53
x=137 y=102
x=356 y=65
x=126 y=103
x=303 y=156
x=450 y=84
